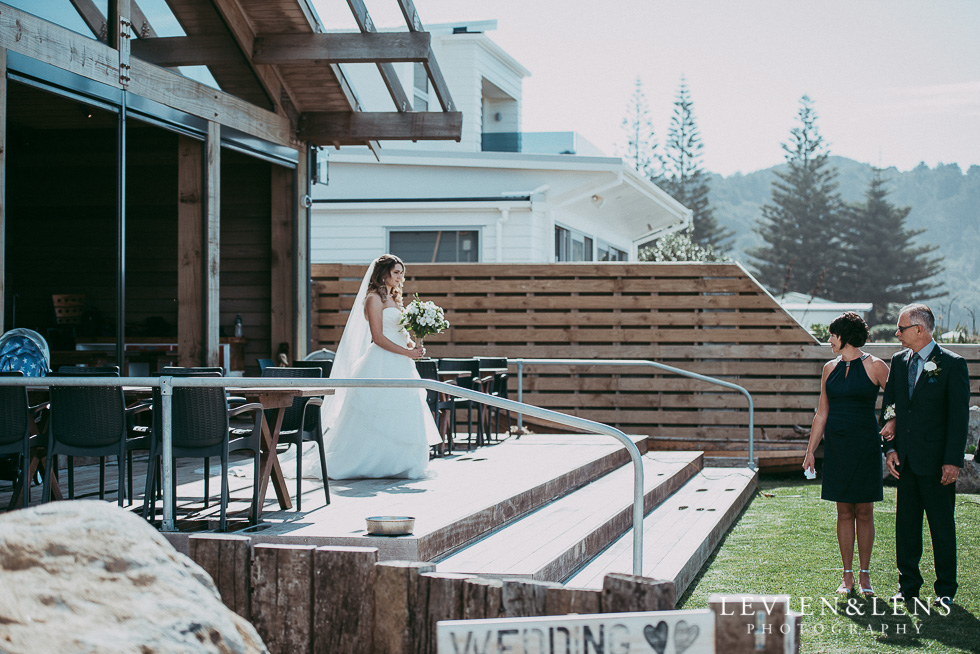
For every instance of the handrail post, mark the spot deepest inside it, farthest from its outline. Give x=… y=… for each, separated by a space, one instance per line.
x=520 y=393
x=167 y=455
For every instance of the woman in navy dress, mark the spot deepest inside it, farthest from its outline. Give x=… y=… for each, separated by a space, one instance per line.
x=847 y=423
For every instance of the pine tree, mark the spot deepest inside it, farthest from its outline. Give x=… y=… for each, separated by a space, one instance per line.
x=641 y=142
x=684 y=177
x=801 y=226
x=884 y=266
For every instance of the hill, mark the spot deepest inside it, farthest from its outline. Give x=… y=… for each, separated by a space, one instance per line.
x=944 y=200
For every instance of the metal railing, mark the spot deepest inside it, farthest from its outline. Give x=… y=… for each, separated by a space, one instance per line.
x=167 y=384
x=520 y=363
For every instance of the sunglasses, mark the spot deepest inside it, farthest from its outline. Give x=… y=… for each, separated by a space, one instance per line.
x=902 y=329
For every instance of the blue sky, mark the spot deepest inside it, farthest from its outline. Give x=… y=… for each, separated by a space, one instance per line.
x=895 y=82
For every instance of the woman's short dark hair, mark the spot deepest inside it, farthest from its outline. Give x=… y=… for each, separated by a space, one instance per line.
x=851 y=329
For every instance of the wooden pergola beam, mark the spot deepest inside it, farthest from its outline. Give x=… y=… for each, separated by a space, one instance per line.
x=187 y=50
x=96 y=22
x=240 y=29
x=431 y=65
x=366 y=47
x=344 y=128
x=387 y=70
x=39 y=39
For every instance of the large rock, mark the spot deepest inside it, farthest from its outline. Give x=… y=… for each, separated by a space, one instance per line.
x=969 y=478
x=87 y=576
x=973 y=430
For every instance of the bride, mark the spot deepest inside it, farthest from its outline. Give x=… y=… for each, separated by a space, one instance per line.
x=374 y=433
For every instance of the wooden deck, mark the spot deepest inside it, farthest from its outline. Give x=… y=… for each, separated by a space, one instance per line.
x=547 y=507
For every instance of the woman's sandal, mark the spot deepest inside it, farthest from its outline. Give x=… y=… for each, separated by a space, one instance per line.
x=867 y=592
x=844 y=589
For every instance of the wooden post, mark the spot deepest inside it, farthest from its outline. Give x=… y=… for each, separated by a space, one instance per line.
x=281 y=260
x=563 y=601
x=483 y=598
x=623 y=593
x=343 y=599
x=212 y=244
x=226 y=557
x=443 y=601
x=754 y=623
x=524 y=598
x=399 y=617
x=282 y=596
x=301 y=250
x=190 y=246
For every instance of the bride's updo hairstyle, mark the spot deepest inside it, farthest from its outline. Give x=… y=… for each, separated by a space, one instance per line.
x=382 y=268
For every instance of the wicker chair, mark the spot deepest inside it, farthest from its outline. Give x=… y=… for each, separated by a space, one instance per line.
x=18 y=435
x=469 y=381
x=200 y=429
x=88 y=421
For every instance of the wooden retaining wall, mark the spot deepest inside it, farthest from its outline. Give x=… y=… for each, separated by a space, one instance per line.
x=712 y=319
x=304 y=599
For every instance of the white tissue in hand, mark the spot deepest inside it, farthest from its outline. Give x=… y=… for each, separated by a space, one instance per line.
x=810 y=473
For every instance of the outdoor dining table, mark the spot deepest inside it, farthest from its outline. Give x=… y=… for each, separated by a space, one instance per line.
x=275 y=401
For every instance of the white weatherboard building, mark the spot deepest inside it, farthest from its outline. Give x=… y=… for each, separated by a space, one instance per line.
x=499 y=195
x=809 y=310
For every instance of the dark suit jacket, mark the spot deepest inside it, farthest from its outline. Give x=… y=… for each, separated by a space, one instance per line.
x=930 y=428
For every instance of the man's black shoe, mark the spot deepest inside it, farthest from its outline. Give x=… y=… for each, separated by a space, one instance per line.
x=943 y=601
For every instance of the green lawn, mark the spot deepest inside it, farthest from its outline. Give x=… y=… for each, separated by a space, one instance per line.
x=785 y=543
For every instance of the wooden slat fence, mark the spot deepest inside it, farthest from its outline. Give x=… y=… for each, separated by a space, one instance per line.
x=713 y=319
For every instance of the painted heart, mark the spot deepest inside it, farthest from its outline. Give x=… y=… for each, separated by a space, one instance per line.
x=685 y=635
x=656 y=636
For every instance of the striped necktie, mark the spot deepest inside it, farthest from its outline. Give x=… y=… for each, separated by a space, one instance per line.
x=913 y=369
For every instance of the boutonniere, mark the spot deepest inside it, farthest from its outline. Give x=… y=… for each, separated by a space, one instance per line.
x=931 y=368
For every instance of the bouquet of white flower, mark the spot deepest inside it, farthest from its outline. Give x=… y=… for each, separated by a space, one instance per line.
x=423 y=318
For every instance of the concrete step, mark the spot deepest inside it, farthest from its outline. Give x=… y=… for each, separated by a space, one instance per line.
x=551 y=542
x=681 y=533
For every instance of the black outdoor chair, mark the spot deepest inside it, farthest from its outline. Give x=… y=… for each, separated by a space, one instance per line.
x=135 y=441
x=470 y=381
x=200 y=429
x=19 y=435
x=89 y=421
x=301 y=424
x=326 y=367
x=495 y=385
x=265 y=363
x=429 y=369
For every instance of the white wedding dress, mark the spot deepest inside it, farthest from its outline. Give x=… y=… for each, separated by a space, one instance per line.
x=381 y=432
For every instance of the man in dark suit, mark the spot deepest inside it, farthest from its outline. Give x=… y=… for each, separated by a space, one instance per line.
x=930 y=390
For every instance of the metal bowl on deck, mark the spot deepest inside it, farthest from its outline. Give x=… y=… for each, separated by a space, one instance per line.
x=390 y=525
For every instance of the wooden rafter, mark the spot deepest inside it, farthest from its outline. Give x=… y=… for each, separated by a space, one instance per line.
x=341 y=48
x=187 y=50
x=387 y=70
x=141 y=26
x=39 y=39
x=96 y=22
x=344 y=128
x=92 y=17
x=431 y=65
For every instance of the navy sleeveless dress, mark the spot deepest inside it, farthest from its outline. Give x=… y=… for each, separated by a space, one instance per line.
x=852 y=443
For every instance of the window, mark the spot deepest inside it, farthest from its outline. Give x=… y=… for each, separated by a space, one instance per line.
x=571 y=245
x=437 y=246
x=606 y=252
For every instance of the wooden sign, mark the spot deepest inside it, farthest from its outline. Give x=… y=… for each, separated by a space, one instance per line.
x=662 y=632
